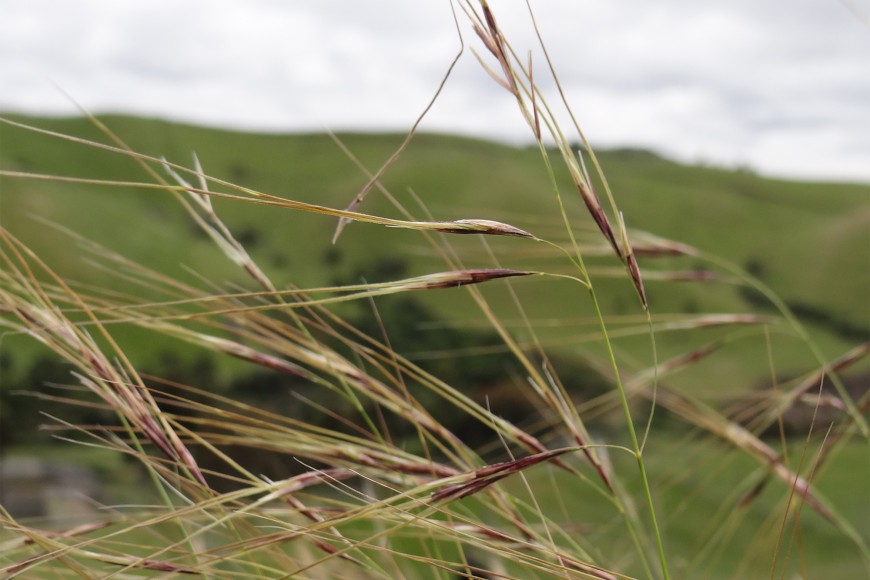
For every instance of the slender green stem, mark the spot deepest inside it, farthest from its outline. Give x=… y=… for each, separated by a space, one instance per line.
x=623 y=399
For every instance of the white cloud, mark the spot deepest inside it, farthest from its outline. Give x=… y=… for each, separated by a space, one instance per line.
x=742 y=81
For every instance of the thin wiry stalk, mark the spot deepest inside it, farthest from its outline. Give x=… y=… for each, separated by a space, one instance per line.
x=374 y=179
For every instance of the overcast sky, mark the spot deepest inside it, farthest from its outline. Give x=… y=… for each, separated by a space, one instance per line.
x=781 y=86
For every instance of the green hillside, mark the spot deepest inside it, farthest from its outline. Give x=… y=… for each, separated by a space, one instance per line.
x=809 y=241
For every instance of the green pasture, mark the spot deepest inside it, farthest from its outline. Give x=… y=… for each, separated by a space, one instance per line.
x=810 y=242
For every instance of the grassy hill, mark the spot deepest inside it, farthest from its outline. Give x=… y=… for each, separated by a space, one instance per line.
x=809 y=241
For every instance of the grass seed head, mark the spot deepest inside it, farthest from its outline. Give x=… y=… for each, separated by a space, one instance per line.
x=463 y=278
x=480 y=226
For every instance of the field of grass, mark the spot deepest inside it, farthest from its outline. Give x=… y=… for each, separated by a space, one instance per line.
x=505 y=366
x=702 y=481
